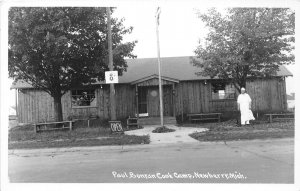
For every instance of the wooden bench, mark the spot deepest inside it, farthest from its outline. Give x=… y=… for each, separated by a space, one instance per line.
x=203 y=116
x=45 y=126
x=280 y=116
x=84 y=118
x=132 y=122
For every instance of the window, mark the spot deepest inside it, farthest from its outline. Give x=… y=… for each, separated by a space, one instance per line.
x=222 y=90
x=81 y=98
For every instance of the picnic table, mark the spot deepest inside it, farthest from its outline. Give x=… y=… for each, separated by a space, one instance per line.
x=204 y=116
x=280 y=116
x=47 y=126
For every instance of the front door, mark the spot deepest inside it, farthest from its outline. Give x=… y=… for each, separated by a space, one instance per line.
x=152 y=101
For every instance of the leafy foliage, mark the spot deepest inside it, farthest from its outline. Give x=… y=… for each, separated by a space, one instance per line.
x=246 y=42
x=58 y=48
x=55 y=49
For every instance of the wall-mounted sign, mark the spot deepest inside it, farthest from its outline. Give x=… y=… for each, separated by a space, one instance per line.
x=116 y=127
x=111 y=77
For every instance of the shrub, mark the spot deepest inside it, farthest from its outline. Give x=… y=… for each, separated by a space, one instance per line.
x=162 y=129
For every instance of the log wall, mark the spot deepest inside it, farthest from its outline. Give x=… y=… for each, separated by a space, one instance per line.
x=196 y=97
x=37 y=106
x=190 y=97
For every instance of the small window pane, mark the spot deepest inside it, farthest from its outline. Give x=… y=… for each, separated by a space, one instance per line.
x=83 y=98
x=221 y=94
x=223 y=91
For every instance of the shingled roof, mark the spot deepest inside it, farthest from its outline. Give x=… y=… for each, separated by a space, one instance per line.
x=177 y=68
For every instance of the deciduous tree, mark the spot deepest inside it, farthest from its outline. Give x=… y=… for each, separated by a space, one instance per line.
x=246 y=42
x=58 y=48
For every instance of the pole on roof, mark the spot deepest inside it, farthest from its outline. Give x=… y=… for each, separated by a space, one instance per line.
x=111 y=67
x=159 y=70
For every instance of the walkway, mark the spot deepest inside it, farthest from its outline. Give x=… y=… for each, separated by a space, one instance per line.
x=180 y=135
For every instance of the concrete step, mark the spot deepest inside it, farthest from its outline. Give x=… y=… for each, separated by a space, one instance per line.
x=156 y=120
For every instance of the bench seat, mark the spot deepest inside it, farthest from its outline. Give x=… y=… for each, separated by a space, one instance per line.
x=132 y=122
x=204 y=116
x=84 y=118
x=45 y=126
x=280 y=116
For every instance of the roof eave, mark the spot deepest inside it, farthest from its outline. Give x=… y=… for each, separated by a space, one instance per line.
x=152 y=77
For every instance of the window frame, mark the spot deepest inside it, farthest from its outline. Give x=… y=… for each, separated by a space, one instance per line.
x=225 y=85
x=84 y=106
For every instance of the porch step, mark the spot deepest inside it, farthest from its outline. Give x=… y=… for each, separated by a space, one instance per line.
x=156 y=120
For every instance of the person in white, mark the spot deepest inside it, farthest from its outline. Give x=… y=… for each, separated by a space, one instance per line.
x=244 y=106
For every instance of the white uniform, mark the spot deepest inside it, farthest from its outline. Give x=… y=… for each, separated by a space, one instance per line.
x=246 y=114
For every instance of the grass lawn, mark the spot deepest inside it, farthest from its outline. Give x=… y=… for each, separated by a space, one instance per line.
x=229 y=131
x=23 y=137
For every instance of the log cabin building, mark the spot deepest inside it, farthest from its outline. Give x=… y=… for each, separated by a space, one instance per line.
x=137 y=92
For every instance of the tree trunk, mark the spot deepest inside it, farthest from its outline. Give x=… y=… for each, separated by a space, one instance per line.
x=239 y=83
x=243 y=84
x=58 y=115
x=237 y=86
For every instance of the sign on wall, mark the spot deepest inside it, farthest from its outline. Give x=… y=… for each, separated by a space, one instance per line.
x=111 y=77
x=116 y=126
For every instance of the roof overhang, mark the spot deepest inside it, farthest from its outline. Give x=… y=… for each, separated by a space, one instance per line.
x=154 y=76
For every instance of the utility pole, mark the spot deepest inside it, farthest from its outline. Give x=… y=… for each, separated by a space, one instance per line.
x=159 y=70
x=111 y=68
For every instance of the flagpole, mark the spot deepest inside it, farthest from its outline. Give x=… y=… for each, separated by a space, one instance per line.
x=159 y=70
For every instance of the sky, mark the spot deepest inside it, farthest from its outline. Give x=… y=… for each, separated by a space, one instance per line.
x=180 y=30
